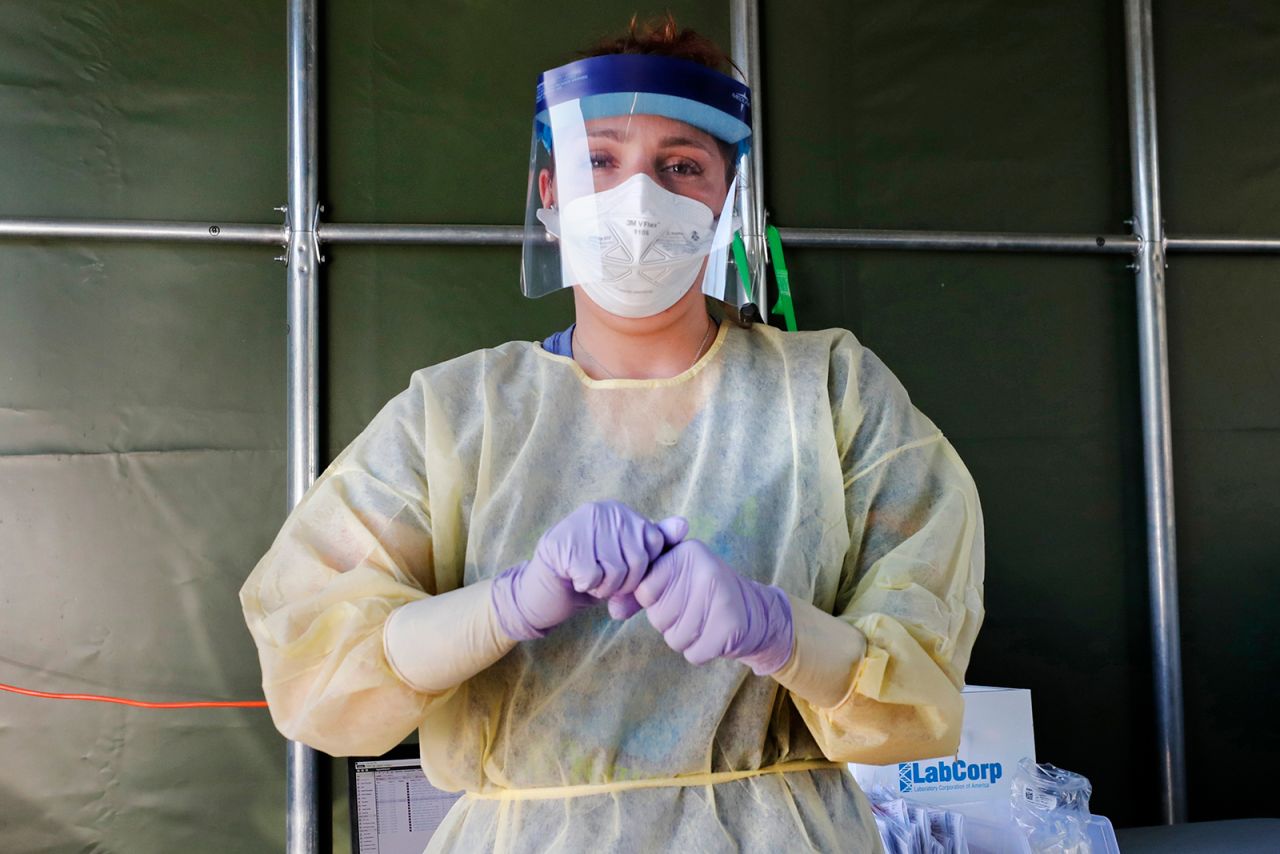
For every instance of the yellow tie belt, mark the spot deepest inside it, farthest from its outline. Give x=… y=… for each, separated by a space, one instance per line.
x=541 y=793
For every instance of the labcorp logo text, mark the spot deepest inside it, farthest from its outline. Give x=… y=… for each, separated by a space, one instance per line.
x=947 y=776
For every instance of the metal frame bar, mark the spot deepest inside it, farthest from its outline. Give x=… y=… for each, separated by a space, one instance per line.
x=303 y=234
x=1157 y=428
x=136 y=230
x=1234 y=245
x=41 y=228
x=302 y=777
x=744 y=28
x=970 y=241
x=429 y=235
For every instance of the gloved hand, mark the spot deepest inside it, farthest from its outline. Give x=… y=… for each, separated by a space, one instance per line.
x=622 y=602
x=601 y=550
x=706 y=610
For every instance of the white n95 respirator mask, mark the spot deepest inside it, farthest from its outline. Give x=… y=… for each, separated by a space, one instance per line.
x=636 y=248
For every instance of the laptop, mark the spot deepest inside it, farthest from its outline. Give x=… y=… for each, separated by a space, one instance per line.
x=394 y=810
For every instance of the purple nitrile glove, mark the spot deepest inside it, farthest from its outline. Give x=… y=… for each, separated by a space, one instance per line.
x=706 y=610
x=623 y=604
x=599 y=550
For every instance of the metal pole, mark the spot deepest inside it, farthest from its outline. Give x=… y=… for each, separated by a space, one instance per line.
x=164 y=231
x=150 y=230
x=1156 y=444
x=434 y=235
x=1204 y=243
x=302 y=824
x=976 y=241
x=744 y=22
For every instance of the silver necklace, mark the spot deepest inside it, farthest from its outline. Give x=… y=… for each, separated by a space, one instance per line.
x=577 y=345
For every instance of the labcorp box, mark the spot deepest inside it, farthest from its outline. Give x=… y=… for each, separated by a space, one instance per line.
x=996 y=733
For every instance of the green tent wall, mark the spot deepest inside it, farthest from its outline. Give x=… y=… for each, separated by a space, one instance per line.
x=142 y=385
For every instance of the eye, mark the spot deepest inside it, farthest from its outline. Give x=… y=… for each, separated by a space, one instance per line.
x=683 y=167
x=601 y=160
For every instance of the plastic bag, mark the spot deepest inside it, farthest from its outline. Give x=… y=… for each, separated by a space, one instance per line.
x=1051 y=806
x=910 y=828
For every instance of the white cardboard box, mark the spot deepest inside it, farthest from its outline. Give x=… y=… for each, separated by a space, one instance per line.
x=996 y=733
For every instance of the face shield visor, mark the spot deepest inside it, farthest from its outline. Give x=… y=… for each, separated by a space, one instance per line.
x=634 y=175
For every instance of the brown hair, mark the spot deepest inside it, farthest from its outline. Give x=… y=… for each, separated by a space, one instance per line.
x=662 y=36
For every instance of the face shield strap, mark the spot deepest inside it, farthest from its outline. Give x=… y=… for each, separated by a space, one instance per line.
x=621 y=84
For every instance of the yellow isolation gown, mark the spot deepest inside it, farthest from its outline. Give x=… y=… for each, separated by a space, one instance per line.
x=797 y=457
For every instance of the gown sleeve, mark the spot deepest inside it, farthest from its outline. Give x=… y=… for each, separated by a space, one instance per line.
x=358 y=546
x=912 y=578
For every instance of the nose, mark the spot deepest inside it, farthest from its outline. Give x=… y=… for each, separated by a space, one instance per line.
x=627 y=170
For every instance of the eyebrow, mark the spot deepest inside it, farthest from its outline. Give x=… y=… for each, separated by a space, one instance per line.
x=673 y=141
x=667 y=142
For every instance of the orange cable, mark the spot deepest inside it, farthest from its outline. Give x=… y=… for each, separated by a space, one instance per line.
x=141 y=704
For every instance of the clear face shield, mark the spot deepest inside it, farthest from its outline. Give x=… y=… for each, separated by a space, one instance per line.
x=634 y=176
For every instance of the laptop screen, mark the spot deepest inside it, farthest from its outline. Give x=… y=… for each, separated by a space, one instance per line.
x=394 y=810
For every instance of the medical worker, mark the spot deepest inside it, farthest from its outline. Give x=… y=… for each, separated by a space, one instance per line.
x=648 y=585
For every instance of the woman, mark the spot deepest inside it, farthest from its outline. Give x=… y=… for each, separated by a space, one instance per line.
x=805 y=546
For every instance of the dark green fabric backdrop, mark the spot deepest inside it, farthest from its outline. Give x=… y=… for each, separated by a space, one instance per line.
x=142 y=386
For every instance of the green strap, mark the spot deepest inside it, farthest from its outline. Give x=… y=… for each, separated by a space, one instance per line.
x=740 y=261
x=784 y=305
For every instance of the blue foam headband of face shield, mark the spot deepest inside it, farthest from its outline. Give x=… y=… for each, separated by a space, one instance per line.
x=627 y=84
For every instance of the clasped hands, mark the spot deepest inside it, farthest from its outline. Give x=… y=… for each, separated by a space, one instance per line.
x=607 y=551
